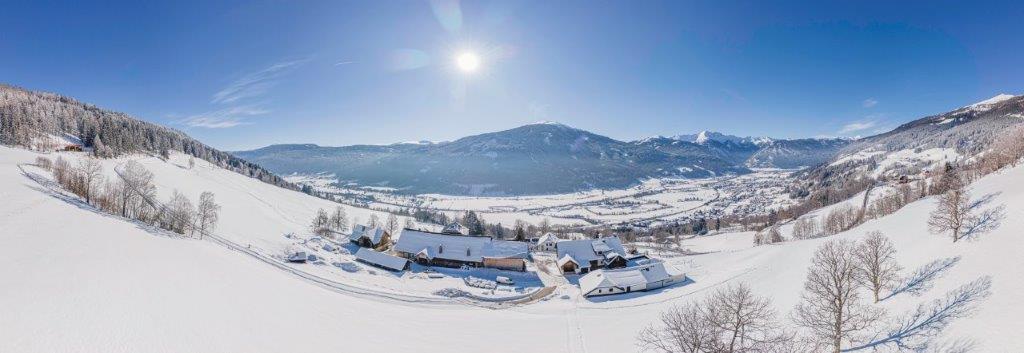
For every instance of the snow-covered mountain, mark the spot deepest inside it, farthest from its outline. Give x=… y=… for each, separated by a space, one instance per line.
x=953 y=136
x=531 y=159
x=751 y=152
x=545 y=157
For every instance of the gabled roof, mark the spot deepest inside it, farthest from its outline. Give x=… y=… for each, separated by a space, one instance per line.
x=381 y=259
x=548 y=238
x=373 y=234
x=624 y=277
x=566 y=259
x=583 y=251
x=458 y=247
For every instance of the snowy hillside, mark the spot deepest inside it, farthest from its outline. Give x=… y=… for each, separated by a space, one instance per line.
x=79 y=280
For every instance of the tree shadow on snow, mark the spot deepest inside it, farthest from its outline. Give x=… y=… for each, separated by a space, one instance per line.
x=921 y=280
x=917 y=330
x=985 y=221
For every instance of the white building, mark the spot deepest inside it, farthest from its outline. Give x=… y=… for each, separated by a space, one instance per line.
x=547 y=242
x=626 y=280
x=582 y=256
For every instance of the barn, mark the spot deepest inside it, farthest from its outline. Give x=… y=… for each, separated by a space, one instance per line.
x=627 y=280
x=438 y=249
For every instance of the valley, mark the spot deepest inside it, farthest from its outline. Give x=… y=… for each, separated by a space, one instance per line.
x=652 y=202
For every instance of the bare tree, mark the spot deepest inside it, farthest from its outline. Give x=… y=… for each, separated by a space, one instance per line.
x=840 y=219
x=207 y=213
x=91 y=172
x=830 y=308
x=683 y=329
x=876 y=257
x=191 y=162
x=806 y=228
x=410 y=224
x=44 y=163
x=747 y=322
x=177 y=214
x=392 y=223
x=953 y=212
x=138 y=187
x=732 y=320
x=339 y=220
x=374 y=221
x=545 y=226
x=321 y=223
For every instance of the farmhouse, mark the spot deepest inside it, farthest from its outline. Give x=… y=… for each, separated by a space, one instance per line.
x=382 y=260
x=376 y=238
x=626 y=280
x=547 y=242
x=582 y=256
x=456 y=251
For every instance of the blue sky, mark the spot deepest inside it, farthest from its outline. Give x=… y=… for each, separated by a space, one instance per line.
x=242 y=75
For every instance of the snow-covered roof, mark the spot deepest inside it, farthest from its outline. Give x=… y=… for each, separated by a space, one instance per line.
x=566 y=259
x=624 y=277
x=548 y=238
x=374 y=234
x=455 y=228
x=381 y=259
x=458 y=247
x=586 y=250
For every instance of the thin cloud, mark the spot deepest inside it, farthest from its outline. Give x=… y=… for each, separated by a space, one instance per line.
x=870 y=102
x=223 y=118
x=255 y=84
x=857 y=126
x=344 y=63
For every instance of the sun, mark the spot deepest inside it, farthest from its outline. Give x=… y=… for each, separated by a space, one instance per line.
x=467 y=62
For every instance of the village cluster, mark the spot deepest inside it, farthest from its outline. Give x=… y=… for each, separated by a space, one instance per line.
x=600 y=266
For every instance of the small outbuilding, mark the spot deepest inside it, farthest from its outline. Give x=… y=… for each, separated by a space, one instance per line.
x=455 y=228
x=382 y=260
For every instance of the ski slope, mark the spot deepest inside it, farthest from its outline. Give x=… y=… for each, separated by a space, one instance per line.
x=77 y=280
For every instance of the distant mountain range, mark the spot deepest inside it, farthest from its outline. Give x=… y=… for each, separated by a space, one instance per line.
x=541 y=158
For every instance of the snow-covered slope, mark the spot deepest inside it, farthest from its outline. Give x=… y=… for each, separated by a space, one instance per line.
x=77 y=280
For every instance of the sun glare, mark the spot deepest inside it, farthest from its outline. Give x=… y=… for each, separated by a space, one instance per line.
x=467 y=62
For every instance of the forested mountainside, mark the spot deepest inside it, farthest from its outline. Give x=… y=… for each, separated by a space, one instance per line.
x=29 y=119
x=912 y=148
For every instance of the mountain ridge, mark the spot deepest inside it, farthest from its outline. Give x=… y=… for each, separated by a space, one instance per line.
x=538 y=158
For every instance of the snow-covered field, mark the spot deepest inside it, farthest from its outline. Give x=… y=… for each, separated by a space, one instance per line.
x=654 y=200
x=73 y=279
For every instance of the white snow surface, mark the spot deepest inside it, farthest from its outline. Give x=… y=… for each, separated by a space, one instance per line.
x=76 y=280
x=988 y=103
